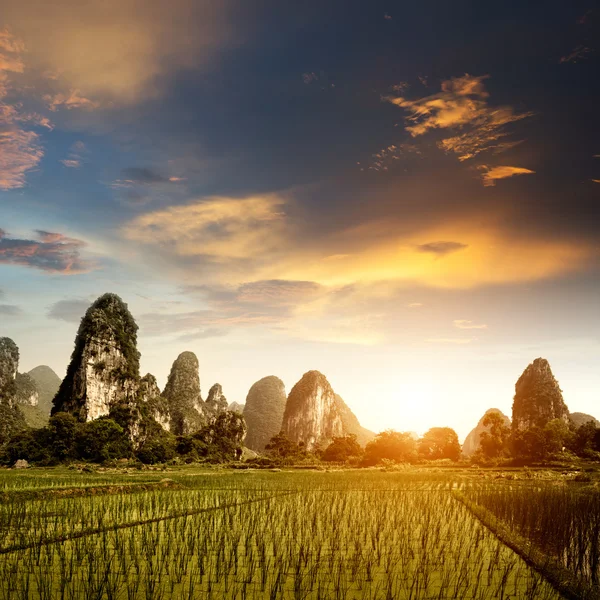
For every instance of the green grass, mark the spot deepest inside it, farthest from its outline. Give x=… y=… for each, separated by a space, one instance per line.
x=253 y=534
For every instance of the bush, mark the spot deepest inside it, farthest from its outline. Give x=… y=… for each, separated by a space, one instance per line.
x=342 y=449
x=391 y=445
x=102 y=439
x=157 y=450
x=26 y=445
x=440 y=442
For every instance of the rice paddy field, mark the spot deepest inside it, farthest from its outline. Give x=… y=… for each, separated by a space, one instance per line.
x=192 y=533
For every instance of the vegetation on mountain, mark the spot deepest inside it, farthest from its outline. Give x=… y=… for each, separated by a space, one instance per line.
x=106 y=340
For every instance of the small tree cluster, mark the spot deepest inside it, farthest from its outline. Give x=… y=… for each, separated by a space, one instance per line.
x=64 y=438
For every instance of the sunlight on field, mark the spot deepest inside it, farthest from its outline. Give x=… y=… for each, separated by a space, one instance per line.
x=252 y=535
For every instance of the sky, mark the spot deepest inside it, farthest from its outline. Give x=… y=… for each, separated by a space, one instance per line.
x=403 y=196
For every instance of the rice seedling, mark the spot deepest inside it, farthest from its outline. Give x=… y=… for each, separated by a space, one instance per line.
x=261 y=535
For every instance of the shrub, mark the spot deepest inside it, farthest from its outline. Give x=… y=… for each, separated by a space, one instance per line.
x=102 y=439
x=342 y=449
x=391 y=445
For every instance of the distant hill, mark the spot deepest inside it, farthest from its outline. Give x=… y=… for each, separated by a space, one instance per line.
x=47 y=383
x=580 y=419
x=471 y=443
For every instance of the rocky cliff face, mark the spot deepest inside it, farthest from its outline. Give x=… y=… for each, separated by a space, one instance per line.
x=9 y=365
x=313 y=413
x=472 y=443
x=538 y=397
x=156 y=407
x=104 y=368
x=11 y=417
x=263 y=411
x=182 y=393
x=216 y=402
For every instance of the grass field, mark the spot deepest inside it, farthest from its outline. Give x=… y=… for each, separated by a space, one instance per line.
x=190 y=533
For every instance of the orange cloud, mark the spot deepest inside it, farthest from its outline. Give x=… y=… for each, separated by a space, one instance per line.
x=223 y=235
x=20 y=148
x=114 y=52
x=236 y=240
x=461 y=105
x=20 y=152
x=491 y=174
x=72 y=99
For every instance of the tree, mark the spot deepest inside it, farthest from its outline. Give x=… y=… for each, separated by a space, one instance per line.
x=102 y=439
x=494 y=441
x=342 y=449
x=61 y=433
x=392 y=445
x=158 y=449
x=280 y=446
x=540 y=443
x=582 y=439
x=440 y=442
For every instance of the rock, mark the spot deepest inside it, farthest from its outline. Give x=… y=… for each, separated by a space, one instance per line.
x=314 y=414
x=104 y=368
x=11 y=416
x=216 y=402
x=263 y=411
x=538 y=398
x=9 y=365
x=472 y=442
x=21 y=464
x=578 y=419
x=156 y=406
x=182 y=393
x=47 y=383
x=236 y=407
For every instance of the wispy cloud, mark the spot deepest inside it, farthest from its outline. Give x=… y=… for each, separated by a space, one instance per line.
x=218 y=233
x=20 y=147
x=138 y=185
x=75 y=156
x=576 y=55
x=70 y=100
x=462 y=106
x=441 y=248
x=10 y=310
x=466 y=324
x=492 y=174
x=50 y=252
x=68 y=310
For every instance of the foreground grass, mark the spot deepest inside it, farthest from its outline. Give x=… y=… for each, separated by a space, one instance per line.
x=223 y=534
x=555 y=526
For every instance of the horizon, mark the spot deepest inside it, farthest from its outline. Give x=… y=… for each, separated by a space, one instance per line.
x=382 y=193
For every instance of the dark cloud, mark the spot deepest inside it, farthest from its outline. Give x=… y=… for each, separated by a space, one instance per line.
x=441 y=248
x=51 y=252
x=142 y=175
x=68 y=310
x=10 y=310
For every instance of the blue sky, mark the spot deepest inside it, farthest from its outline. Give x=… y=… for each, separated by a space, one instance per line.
x=404 y=197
